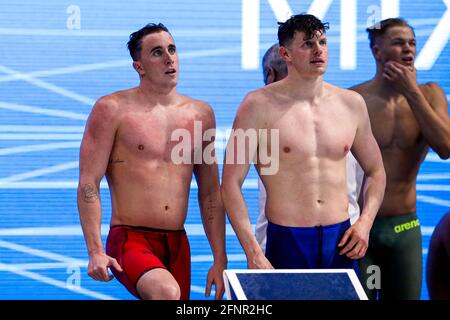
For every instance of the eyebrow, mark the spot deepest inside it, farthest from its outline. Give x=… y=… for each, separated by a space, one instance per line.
x=403 y=39
x=160 y=47
x=155 y=48
x=320 y=38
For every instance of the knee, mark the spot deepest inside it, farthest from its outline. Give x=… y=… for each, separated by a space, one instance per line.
x=163 y=291
x=170 y=292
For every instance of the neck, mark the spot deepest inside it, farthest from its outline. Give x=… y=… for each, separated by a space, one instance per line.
x=383 y=85
x=304 y=88
x=162 y=95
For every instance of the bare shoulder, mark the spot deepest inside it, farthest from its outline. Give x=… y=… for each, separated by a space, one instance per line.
x=106 y=108
x=113 y=103
x=252 y=102
x=351 y=98
x=431 y=87
x=362 y=88
x=432 y=91
x=198 y=108
x=200 y=105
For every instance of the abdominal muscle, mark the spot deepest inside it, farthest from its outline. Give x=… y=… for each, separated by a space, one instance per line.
x=153 y=195
x=310 y=195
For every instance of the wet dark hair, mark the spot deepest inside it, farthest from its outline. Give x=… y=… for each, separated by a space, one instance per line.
x=135 y=43
x=306 y=23
x=380 y=28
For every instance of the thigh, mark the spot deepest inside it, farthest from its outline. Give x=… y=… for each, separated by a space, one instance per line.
x=134 y=254
x=403 y=269
x=291 y=248
x=179 y=262
x=368 y=278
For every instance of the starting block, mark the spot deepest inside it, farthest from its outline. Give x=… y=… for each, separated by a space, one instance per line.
x=293 y=284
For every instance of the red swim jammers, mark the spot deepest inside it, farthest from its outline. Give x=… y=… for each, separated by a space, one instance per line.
x=141 y=249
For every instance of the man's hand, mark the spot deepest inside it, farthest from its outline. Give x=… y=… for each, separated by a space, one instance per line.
x=403 y=78
x=215 y=275
x=356 y=240
x=259 y=261
x=98 y=267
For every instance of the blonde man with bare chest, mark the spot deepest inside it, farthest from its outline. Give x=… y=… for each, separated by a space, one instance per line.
x=311 y=127
x=129 y=137
x=406 y=118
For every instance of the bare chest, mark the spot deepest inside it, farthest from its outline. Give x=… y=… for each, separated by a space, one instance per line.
x=394 y=124
x=154 y=136
x=320 y=131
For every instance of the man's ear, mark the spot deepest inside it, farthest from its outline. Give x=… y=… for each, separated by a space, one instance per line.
x=138 y=67
x=284 y=53
x=271 y=75
x=376 y=52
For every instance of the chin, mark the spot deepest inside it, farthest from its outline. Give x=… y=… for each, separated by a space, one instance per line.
x=320 y=72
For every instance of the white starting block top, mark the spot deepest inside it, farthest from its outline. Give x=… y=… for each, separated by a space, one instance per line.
x=293 y=284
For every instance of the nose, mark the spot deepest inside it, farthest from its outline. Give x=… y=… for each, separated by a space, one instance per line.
x=169 y=58
x=317 y=49
x=407 y=47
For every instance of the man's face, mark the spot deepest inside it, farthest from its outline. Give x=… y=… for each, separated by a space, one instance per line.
x=307 y=56
x=159 y=59
x=397 y=44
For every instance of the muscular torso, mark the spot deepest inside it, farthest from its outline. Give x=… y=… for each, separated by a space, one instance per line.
x=402 y=146
x=147 y=188
x=309 y=188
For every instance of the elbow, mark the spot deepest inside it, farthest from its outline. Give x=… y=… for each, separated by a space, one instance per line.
x=225 y=198
x=227 y=189
x=224 y=191
x=383 y=179
x=88 y=183
x=443 y=151
x=379 y=177
x=445 y=154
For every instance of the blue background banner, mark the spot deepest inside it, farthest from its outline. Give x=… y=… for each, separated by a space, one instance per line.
x=58 y=57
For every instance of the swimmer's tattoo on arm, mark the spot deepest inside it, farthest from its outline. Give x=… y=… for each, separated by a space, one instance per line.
x=90 y=194
x=210 y=211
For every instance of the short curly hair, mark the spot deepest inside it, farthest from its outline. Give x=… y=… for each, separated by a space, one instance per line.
x=306 y=23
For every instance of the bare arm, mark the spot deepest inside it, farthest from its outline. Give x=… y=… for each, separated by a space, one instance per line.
x=211 y=206
x=239 y=154
x=94 y=155
x=431 y=113
x=366 y=151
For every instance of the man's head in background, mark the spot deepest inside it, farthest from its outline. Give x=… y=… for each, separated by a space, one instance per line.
x=274 y=67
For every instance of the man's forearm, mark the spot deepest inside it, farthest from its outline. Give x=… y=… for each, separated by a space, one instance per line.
x=89 y=208
x=239 y=218
x=374 y=188
x=435 y=129
x=213 y=216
